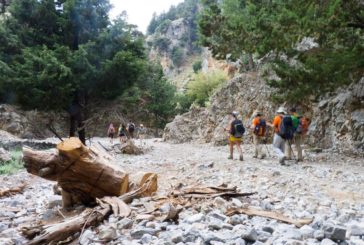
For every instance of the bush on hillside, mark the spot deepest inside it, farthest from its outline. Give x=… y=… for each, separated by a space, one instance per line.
x=203 y=85
x=177 y=56
x=197 y=66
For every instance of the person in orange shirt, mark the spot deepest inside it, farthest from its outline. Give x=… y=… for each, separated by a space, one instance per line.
x=259 y=132
x=278 y=141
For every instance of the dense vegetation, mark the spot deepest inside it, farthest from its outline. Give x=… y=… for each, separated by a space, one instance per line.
x=65 y=54
x=276 y=30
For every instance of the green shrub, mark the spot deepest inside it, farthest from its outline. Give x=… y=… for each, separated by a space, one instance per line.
x=162 y=43
x=14 y=165
x=204 y=84
x=177 y=56
x=197 y=66
x=183 y=102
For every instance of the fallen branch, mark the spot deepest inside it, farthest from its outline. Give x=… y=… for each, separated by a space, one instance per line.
x=12 y=191
x=209 y=192
x=45 y=234
x=270 y=214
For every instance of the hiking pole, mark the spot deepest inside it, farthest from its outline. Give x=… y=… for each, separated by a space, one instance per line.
x=290 y=147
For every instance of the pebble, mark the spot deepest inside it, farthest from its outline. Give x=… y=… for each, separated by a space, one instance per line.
x=195 y=218
x=138 y=233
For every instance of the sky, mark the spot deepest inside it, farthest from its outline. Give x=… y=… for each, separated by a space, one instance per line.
x=140 y=12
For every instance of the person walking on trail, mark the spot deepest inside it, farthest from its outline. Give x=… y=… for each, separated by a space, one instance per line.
x=131 y=128
x=122 y=134
x=141 y=133
x=111 y=132
x=236 y=131
x=278 y=141
x=300 y=125
x=259 y=128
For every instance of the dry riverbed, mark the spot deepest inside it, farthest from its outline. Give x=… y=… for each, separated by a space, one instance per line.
x=326 y=187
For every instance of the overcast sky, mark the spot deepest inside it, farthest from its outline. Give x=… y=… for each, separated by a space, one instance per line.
x=140 y=12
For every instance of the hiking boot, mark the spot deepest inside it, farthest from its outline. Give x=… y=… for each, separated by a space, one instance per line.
x=241 y=158
x=281 y=160
x=230 y=157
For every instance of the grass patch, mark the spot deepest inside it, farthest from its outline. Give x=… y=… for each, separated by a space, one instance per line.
x=14 y=165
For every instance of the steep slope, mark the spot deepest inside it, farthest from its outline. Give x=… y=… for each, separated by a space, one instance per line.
x=244 y=93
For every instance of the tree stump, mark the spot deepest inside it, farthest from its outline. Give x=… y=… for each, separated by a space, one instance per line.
x=83 y=173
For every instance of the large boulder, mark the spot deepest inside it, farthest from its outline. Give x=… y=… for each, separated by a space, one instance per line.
x=338 y=120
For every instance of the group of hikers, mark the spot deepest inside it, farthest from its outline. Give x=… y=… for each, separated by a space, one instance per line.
x=289 y=128
x=126 y=132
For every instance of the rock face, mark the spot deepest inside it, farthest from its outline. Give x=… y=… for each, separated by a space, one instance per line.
x=338 y=120
x=30 y=124
x=244 y=93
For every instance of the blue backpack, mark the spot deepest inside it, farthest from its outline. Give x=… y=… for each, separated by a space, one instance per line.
x=237 y=128
x=286 y=128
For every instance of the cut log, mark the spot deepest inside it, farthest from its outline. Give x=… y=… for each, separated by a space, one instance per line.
x=80 y=171
x=269 y=214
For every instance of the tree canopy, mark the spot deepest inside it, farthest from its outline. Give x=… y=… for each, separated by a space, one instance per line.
x=277 y=29
x=54 y=51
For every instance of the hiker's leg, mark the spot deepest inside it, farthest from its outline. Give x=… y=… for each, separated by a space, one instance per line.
x=298 y=142
x=260 y=147
x=287 y=149
x=238 y=145
x=256 y=145
x=278 y=146
x=231 y=149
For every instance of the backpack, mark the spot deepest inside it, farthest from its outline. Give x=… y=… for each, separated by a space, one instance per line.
x=131 y=127
x=295 y=121
x=260 y=129
x=237 y=128
x=286 y=128
x=302 y=126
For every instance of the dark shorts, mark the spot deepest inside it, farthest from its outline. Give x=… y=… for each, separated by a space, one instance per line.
x=111 y=135
x=122 y=134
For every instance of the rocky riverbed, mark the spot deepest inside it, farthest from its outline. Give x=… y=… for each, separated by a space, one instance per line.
x=327 y=187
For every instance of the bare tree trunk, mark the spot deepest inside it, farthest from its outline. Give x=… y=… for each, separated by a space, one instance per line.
x=251 y=62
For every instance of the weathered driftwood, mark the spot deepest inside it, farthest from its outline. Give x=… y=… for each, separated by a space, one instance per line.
x=270 y=214
x=47 y=234
x=81 y=172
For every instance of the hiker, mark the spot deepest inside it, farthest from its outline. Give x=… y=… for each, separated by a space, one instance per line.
x=141 y=133
x=111 y=132
x=131 y=129
x=259 y=128
x=283 y=131
x=122 y=134
x=236 y=131
x=300 y=125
